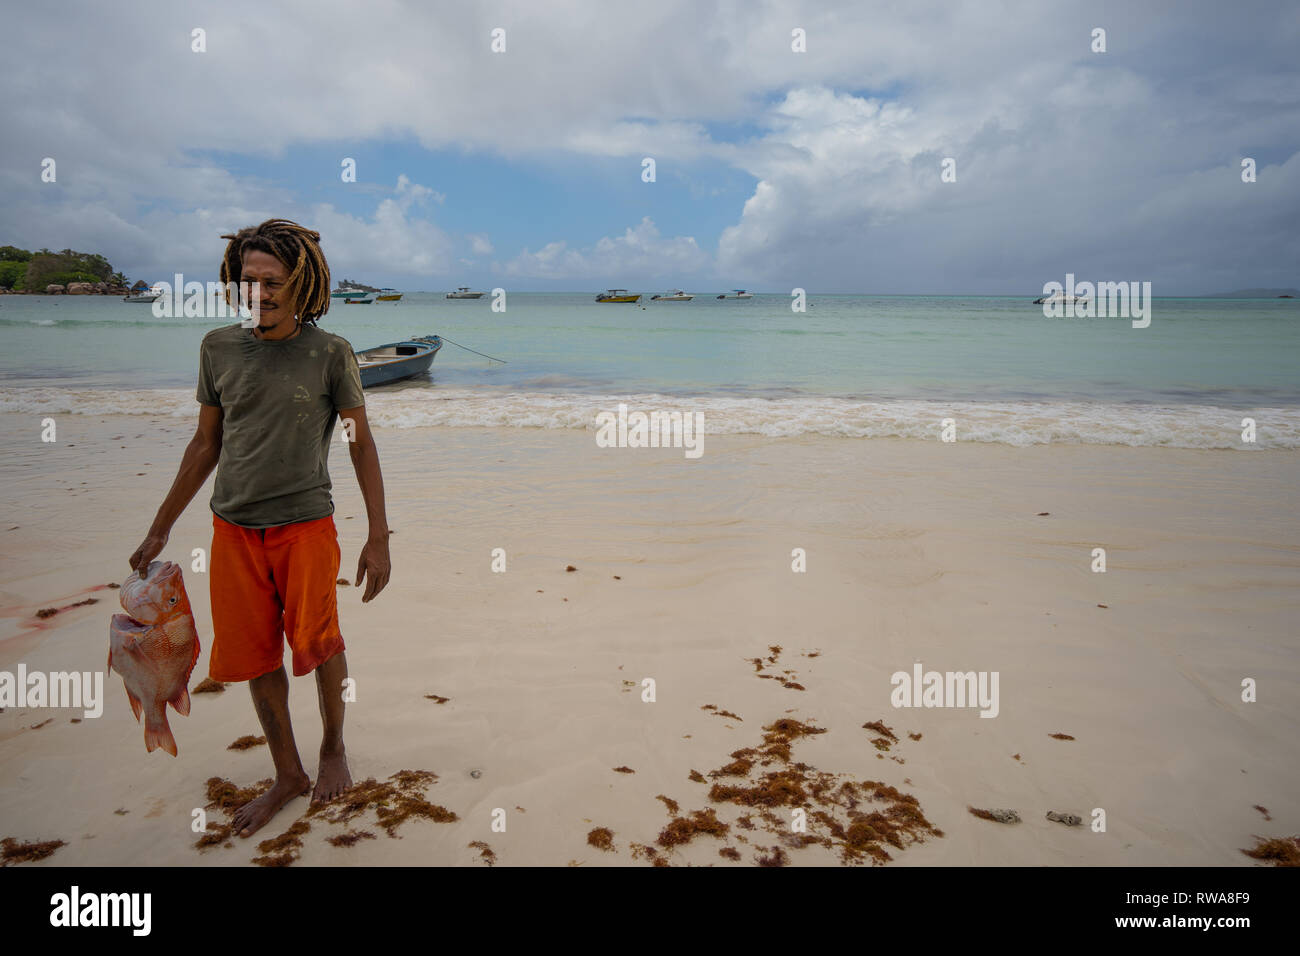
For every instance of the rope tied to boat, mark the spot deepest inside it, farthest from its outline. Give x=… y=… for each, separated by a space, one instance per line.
x=475 y=351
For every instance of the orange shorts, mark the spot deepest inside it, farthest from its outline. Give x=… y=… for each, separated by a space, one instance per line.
x=269 y=584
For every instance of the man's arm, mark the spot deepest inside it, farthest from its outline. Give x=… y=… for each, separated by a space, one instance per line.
x=374 y=560
x=201 y=456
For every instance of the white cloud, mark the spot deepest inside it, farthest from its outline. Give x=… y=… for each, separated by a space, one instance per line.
x=393 y=241
x=640 y=253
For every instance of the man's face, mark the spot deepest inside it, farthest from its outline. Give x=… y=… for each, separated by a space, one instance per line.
x=271 y=275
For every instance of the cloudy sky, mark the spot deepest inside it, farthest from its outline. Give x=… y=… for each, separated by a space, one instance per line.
x=773 y=168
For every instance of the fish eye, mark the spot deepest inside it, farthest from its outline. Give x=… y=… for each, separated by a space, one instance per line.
x=173 y=599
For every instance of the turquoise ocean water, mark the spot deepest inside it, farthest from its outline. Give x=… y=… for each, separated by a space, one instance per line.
x=855 y=366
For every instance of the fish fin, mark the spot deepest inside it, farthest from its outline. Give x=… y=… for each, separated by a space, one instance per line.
x=158 y=734
x=181 y=702
x=135 y=705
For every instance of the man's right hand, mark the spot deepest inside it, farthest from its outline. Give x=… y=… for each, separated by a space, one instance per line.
x=149 y=549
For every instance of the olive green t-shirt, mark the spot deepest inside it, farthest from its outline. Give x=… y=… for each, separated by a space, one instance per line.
x=279 y=401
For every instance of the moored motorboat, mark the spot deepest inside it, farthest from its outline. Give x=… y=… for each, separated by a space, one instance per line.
x=618 y=295
x=397 y=360
x=142 y=295
x=676 y=295
x=464 y=292
x=388 y=295
x=737 y=294
x=359 y=301
x=347 y=292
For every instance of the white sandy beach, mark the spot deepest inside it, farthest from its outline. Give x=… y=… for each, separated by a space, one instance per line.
x=916 y=551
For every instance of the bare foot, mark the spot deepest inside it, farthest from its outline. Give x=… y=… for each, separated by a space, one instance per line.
x=333 y=777
x=254 y=815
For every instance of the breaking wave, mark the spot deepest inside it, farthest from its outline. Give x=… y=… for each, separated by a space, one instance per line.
x=1010 y=423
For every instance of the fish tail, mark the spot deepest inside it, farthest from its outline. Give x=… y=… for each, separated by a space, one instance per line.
x=158 y=734
x=181 y=702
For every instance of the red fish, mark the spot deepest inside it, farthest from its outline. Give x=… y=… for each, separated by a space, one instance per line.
x=154 y=647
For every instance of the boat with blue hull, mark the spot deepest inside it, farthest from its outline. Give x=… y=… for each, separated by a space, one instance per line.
x=397 y=360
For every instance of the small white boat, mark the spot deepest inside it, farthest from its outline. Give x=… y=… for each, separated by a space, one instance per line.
x=464 y=292
x=151 y=295
x=737 y=294
x=676 y=295
x=1060 y=298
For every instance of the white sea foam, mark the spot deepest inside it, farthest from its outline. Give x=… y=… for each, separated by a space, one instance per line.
x=1010 y=423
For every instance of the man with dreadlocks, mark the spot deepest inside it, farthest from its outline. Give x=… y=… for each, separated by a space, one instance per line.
x=269 y=395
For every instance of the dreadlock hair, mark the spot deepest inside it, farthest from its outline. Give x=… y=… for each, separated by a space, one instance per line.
x=298 y=247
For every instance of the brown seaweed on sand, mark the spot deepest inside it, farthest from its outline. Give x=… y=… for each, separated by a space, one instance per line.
x=351 y=838
x=997 y=816
x=51 y=611
x=776 y=858
x=218 y=834
x=670 y=803
x=684 y=829
x=602 y=838
x=740 y=765
x=247 y=743
x=485 y=852
x=282 y=850
x=394 y=803
x=12 y=852
x=1060 y=736
x=722 y=713
x=224 y=795
x=879 y=727
x=208 y=686
x=862 y=821
x=1282 y=851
